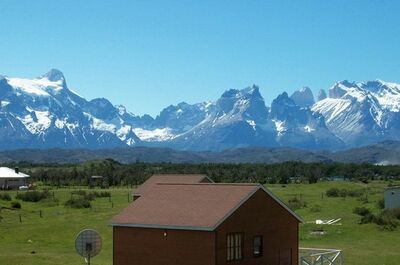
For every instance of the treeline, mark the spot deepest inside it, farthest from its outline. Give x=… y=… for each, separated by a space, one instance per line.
x=117 y=174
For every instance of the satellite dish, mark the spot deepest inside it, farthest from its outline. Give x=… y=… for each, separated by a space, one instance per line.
x=88 y=244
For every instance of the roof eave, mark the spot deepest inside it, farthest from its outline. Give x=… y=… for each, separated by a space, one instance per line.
x=169 y=227
x=282 y=204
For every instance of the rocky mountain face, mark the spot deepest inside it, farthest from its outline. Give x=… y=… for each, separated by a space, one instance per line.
x=44 y=113
x=303 y=97
x=362 y=113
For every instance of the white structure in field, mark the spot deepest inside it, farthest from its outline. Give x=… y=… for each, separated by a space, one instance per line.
x=392 y=197
x=12 y=178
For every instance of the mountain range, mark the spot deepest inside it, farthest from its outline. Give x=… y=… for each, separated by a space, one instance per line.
x=44 y=113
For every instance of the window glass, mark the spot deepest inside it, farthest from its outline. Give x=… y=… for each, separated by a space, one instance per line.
x=257 y=246
x=234 y=246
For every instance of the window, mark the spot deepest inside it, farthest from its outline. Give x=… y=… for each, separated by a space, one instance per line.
x=257 y=246
x=234 y=246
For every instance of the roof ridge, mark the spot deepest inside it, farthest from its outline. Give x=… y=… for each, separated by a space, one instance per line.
x=183 y=174
x=212 y=184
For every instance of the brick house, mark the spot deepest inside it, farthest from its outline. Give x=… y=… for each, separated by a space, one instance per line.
x=206 y=224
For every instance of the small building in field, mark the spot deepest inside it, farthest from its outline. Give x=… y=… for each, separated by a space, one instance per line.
x=206 y=224
x=169 y=178
x=12 y=178
x=392 y=197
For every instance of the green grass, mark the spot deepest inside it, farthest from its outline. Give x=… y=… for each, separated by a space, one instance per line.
x=361 y=244
x=52 y=237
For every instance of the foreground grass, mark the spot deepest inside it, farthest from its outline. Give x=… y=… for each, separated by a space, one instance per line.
x=366 y=244
x=50 y=239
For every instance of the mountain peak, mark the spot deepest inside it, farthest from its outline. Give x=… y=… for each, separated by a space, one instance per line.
x=54 y=75
x=253 y=91
x=303 y=97
x=321 y=95
x=230 y=93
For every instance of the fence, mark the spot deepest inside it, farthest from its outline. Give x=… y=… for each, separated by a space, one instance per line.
x=53 y=207
x=316 y=256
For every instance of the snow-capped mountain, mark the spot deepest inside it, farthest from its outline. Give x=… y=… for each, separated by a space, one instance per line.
x=297 y=126
x=362 y=113
x=238 y=118
x=43 y=112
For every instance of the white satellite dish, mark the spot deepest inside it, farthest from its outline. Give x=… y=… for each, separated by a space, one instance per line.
x=88 y=244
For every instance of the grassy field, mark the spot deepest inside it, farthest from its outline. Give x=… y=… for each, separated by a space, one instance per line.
x=50 y=239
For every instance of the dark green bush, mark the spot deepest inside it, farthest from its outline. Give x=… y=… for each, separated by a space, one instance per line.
x=5 y=197
x=381 y=203
x=333 y=192
x=15 y=205
x=367 y=218
x=388 y=219
x=33 y=196
x=295 y=203
x=91 y=195
x=78 y=203
x=336 y=192
x=362 y=211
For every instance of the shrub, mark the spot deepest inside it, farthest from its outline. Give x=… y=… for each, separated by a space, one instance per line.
x=296 y=204
x=368 y=218
x=362 y=211
x=15 y=205
x=92 y=195
x=336 y=192
x=78 y=203
x=33 y=196
x=5 y=197
x=381 y=203
x=333 y=192
x=388 y=219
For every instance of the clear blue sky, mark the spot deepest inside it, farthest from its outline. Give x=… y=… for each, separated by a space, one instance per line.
x=149 y=54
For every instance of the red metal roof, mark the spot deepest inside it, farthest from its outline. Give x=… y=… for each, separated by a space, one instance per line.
x=185 y=206
x=170 y=178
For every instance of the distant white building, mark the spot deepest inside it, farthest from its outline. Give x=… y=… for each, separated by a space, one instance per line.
x=392 y=197
x=12 y=178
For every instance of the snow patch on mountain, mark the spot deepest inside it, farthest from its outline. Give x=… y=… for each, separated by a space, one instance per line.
x=37 y=121
x=159 y=134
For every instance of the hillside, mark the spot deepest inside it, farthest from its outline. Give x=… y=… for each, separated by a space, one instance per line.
x=380 y=153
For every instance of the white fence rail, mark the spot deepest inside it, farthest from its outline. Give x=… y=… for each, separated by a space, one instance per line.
x=318 y=256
